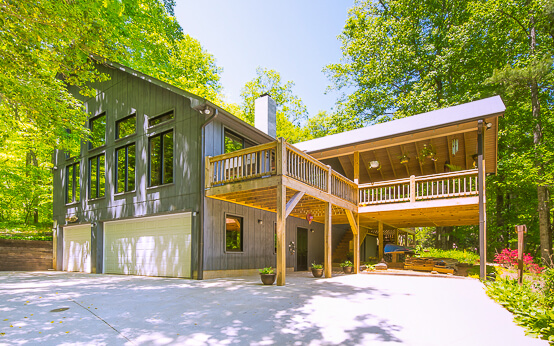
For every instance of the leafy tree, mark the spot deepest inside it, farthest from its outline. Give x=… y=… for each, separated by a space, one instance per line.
x=47 y=44
x=403 y=57
x=291 y=111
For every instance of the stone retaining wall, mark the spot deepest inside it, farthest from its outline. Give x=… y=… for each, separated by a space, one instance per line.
x=25 y=255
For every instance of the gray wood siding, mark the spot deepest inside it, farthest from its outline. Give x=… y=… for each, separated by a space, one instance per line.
x=258 y=240
x=120 y=96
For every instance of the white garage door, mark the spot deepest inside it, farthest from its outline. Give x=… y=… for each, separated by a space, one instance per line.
x=153 y=246
x=76 y=248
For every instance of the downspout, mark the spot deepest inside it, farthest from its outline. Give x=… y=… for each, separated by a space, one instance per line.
x=200 y=267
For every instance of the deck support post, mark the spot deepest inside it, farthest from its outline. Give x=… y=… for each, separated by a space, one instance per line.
x=281 y=234
x=381 y=245
x=328 y=240
x=281 y=154
x=482 y=201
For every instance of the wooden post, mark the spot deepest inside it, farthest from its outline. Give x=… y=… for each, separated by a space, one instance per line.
x=521 y=230
x=356 y=238
x=381 y=245
x=482 y=201
x=396 y=234
x=356 y=167
x=281 y=234
x=281 y=153
x=328 y=241
x=207 y=173
x=412 y=189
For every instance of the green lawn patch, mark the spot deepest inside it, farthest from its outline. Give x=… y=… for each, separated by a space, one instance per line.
x=461 y=256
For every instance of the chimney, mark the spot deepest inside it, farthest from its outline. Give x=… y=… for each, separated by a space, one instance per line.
x=265 y=115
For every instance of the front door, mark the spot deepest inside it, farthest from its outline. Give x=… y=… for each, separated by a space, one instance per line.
x=301 y=249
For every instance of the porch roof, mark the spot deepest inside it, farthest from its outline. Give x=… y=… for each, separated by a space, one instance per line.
x=467 y=112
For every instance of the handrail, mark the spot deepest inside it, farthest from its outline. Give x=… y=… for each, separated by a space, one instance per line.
x=262 y=161
x=427 y=187
x=241 y=165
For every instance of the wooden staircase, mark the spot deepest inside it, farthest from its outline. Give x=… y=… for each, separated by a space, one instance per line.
x=339 y=254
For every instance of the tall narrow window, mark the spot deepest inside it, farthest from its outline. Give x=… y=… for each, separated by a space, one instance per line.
x=126 y=126
x=161 y=159
x=72 y=186
x=97 y=176
x=233 y=233
x=125 y=172
x=97 y=131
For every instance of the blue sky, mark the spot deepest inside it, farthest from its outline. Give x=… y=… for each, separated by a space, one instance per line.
x=295 y=38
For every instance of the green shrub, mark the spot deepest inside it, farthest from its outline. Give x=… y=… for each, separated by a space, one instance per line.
x=461 y=256
x=317 y=266
x=548 y=287
x=523 y=302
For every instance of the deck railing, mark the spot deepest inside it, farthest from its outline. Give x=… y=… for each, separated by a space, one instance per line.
x=254 y=162
x=444 y=185
x=306 y=169
x=263 y=161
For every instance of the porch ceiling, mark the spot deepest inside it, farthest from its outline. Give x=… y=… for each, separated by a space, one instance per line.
x=388 y=153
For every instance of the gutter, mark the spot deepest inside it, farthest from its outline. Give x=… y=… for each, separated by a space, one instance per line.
x=200 y=267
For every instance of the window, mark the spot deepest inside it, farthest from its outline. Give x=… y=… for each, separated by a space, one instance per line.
x=235 y=142
x=97 y=176
x=97 y=131
x=161 y=159
x=125 y=172
x=72 y=186
x=160 y=119
x=126 y=126
x=233 y=233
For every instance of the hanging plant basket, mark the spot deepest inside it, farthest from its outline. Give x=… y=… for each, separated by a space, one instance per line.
x=404 y=159
x=427 y=152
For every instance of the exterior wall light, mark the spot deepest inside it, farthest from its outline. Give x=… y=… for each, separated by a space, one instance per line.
x=260 y=222
x=374 y=164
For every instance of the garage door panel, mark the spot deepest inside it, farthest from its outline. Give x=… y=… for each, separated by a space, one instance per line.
x=158 y=246
x=76 y=248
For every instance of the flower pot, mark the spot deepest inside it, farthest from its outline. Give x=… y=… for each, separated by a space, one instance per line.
x=268 y=279
x=363 y=267
x=317 y=273
x=347 y=270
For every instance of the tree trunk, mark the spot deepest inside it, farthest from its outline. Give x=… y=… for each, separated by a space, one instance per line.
x=32 y=161
x=542 y=188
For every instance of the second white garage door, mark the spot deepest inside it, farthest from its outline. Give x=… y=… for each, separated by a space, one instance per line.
x=152 y=246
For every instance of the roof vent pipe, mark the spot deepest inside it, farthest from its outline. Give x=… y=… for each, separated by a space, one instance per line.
x=265 y=115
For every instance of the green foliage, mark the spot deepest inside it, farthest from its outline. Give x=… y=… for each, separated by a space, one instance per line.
x=547 y=289
x=15 y=230
x=267 y=270
x=524 y=302
x=461 y=256
x=291 y=111
x=317 y=266
x=346 y=263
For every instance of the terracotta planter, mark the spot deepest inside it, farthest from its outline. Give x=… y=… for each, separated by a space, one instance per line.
x=268 y=279
x=317 y=273
x=347 y=270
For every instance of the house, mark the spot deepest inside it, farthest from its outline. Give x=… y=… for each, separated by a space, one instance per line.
x=173 y=185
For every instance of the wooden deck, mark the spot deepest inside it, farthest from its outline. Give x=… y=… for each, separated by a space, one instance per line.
x=280 y=178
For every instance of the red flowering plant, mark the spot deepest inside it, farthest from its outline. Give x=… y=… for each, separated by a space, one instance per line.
x=508 y=259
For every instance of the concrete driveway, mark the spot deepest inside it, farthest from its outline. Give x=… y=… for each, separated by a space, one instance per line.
x=55 y=308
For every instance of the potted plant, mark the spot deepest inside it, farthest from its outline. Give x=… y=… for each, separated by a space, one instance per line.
x=427 y=152
x=267 y=275
x=347 y=267
x=404 y=159
x=317 y=270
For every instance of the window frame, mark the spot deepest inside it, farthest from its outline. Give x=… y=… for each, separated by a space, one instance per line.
x=246 y=143
x=161 y=115
x=89 y=180
x=91 y=128
x=161 y=154
x=75 y=179
x=126 y=168
x=241 y=234
x=117 y=122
